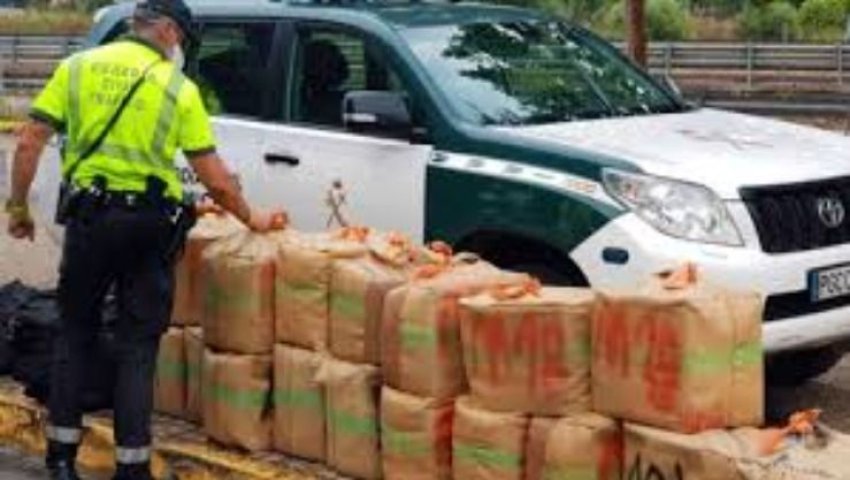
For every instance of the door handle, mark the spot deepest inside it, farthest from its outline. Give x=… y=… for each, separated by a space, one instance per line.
x=280 y=158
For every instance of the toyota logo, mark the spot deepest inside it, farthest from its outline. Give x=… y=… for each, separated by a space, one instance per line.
x=831 y=211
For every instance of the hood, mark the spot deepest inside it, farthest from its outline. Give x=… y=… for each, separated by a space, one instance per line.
x=722 y=150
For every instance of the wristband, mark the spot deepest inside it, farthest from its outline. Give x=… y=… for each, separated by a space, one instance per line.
x=17 y=210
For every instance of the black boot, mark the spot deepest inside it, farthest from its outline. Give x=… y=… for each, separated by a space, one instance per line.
x=63 y=470
x=61 y=459
x=136 y=471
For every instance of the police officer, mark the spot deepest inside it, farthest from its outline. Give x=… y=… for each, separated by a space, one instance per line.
x=123 y=216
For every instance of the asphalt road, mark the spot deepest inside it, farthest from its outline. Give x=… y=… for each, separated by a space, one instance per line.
x=14 y=466
x=36 y=263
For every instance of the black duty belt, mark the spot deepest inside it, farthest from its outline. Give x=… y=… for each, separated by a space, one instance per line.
x=129 y=200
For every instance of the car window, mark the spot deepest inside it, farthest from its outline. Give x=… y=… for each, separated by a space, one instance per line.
x=120 y=30
x=231 y=67
x=328 y=63
x=529 y=72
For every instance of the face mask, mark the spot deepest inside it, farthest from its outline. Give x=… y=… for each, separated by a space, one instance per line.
x=177 y=56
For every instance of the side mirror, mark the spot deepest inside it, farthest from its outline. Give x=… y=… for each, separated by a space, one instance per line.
x=377 y=112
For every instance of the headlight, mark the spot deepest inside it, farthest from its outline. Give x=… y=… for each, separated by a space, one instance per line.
x=682 y=210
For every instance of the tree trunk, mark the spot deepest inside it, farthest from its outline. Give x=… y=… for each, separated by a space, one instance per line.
x=636 y=31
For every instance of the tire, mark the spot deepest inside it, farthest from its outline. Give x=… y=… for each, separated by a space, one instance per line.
x=547 y=274
x=526 y=255
x=793 y=369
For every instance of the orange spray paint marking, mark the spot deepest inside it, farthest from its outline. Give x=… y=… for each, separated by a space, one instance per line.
x=525 y=345
x=610 y=460
x=613 y=332
x=662 y=370
x=493 y=338
x=553 y=344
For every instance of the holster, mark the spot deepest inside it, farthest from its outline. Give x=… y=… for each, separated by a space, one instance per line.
x=183 y=219
x=67 y=203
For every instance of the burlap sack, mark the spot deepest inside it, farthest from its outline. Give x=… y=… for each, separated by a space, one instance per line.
x=239 y=300
x=735 y=454
x=582 y=446
x=420 y=335
x=170 y=380
x=352 y=393
x=188 y=288
x=535 y=447
x=357 y=290
x=487 y=445
x=529 y=350
x=299 y=403
x=303 y=285
x=194 y=344
x=237 y=400
x=416 y=437
x=679 y=354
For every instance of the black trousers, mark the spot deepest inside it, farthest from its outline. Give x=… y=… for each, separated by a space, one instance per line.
x=125 y=249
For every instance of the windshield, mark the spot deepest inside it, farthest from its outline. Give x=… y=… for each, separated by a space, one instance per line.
x=532 y=72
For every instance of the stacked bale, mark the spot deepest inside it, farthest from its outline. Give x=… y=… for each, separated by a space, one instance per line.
x=189 y=285
x=302 y=301
x=299 y=403
x=170 y=379
x=238 y=332
x=352 y=380
x=803 y=450
x=527 y=359
x=585 y=445
x=422 y=365
x=194 y=346
x=416 y=436
x=684 y=358
x=173 y=373
x=679 y=354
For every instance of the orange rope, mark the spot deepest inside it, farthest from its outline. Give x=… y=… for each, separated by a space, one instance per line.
x=530 y=287
x=800 y=423
x=354 y=233
x=682 y=277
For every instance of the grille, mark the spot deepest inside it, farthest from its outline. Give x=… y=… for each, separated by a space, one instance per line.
x=787 y=219
x=789 y=305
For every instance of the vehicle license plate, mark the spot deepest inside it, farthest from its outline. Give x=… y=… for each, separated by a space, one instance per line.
x=829 y=283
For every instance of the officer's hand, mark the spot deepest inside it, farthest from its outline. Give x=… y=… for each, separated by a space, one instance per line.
x=21 y=224
x=262 y=222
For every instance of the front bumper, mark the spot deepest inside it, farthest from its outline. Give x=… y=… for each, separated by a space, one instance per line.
x=747 y=267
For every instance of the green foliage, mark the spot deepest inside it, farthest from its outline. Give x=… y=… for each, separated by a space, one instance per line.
x=823 y=20
x=666 y=20
x=775 y=21
x=724 y=8
x=583 y=12
x=44 y=22
x=76 y=5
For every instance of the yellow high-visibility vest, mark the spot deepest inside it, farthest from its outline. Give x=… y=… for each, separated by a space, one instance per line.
x=165 y=114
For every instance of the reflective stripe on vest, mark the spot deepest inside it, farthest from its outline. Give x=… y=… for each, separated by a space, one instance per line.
x=166 y=114
x=64 y=434
x=125 y=153
x=129 y=456
x=75 y=69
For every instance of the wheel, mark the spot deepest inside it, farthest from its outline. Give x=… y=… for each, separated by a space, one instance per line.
x=793 y=369
x=546 y=274
x=521 y=254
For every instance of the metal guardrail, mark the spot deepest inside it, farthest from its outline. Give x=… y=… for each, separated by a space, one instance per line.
x=697 y=66
x=25 y=60
x=749 y=60
x=26 y=48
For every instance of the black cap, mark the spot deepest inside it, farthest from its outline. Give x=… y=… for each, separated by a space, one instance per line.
x=176 y=10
